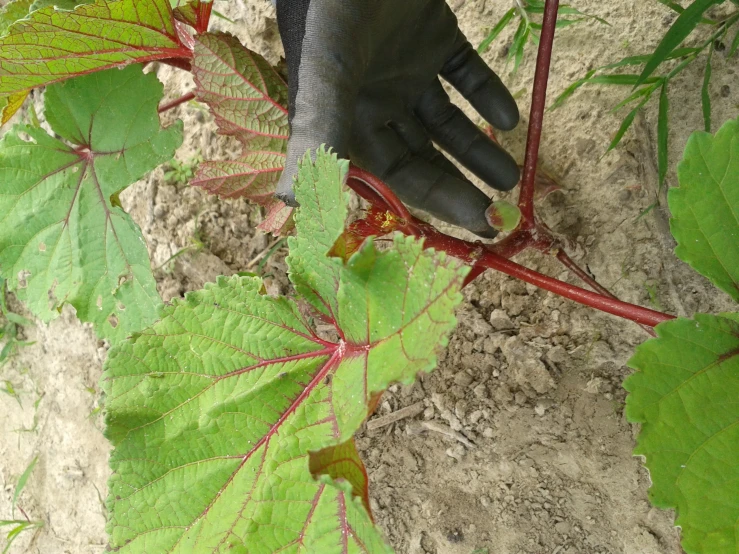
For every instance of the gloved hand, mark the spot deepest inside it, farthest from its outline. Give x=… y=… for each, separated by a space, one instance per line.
x=364 y=80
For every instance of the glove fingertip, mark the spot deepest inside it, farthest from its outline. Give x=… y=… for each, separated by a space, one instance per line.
x=288 y=197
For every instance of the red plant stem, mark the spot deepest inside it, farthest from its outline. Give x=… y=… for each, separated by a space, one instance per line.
x=482 y=257
x=203 y=17
x=478 y=256
x=592 y=283
x=383 y=190
x=536 y=118
x=174 y=103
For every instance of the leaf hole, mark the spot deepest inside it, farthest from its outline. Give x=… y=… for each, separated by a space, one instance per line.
x=42 y=247
x=23 y=276
x=99 y=302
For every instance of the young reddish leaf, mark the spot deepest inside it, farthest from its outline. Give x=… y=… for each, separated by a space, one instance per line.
x=705 y=207
x=221 y=411
x=685 y=396
x=63 y=236
x=51 y=45
x=342 y=462
x=247 y=98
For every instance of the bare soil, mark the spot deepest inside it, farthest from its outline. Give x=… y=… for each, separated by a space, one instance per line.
x=522 y=445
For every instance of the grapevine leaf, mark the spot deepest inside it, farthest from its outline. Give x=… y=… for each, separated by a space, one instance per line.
x=683 y=26
x=705 y=207
x=685 y=396
x=248 y=99
x=222 y=413
x=51 y=45
x=63 y=236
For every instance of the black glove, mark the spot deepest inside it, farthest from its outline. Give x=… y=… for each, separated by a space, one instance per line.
x=364 y=79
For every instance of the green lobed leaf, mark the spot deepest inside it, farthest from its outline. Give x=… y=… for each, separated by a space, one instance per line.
x=51 y=45
x=685 y=396
x=219 y=413
x=705 y=207
x=681 y=28
x=248 y=99
x=63 y=236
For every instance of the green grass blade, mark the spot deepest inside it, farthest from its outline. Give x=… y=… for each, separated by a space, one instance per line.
x=22 y=483
x=663 y=134
x=683 y=26
x=518 y=45
x=705 y=92
x=734 y=45
x=570 y=90
x=495 y=31
x=625 y=124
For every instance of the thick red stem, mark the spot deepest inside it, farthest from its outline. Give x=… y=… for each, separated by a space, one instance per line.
x=536 y=118
x=174 y=103
x=481 y=256
x=576 y=270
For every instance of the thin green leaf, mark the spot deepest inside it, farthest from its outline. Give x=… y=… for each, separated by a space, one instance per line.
x=684 y=395
x=642 y=59
x=663 y=134
x=519 y=43
x=636 y=95
x=495 y=31
x=683 y=26
x=22 y=480
x=646 y=210
x=734 y=45
x=679 y=9
x=249 y=410
x=625 y=124
x=51 y=46
x=705 y=207
x=570 y=90
x=63 y=235
x=706 y=92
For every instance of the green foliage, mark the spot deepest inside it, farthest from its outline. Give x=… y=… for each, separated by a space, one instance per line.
x=222 y=412
x=18 y=526
x=528 y=30
x=687 y=382
x=685 y=396
x=180 y=173
x=646 y=84
x=63 y=235
x=52 y=45
x=248 y=99
x=705 y=208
